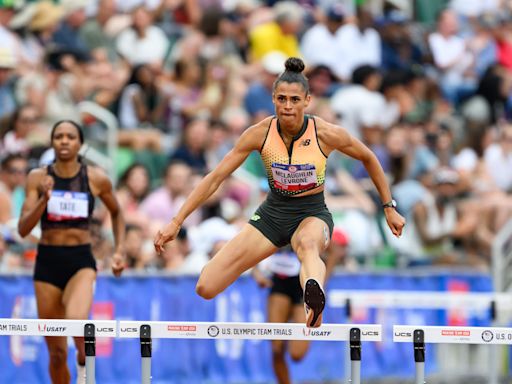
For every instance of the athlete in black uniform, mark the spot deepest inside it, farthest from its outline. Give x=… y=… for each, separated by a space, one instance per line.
x=61 y=196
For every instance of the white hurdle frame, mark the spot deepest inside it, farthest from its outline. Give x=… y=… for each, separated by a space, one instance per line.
x=88 y=329
x=145 y=331
x=476 y=301
x=420 y=335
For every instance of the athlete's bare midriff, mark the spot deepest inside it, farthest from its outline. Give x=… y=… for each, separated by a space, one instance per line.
x=65 y=237
x=313 y=191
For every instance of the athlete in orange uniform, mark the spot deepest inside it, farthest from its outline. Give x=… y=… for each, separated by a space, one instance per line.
x=294 y=148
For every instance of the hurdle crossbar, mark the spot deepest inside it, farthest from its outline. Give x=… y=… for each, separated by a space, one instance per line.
x=251 y=331
x=88 y=329
x=454 y=335
x=248 y=331
x=421 y=299
x=56 y=327
x=420 y=335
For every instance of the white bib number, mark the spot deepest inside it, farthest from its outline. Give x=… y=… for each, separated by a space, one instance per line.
x=294 y=177
x=67 y=205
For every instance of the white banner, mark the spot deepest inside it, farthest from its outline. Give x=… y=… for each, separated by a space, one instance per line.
x=262 y=331
x=454 y=335
x=56 y=327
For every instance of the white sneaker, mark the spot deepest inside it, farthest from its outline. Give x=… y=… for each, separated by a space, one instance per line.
x=80 y=374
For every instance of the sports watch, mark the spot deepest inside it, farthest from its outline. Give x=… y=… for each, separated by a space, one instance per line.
x=389 y=204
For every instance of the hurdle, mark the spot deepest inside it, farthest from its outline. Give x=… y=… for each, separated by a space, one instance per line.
x=472 y=301
x=146 y=331
x=420 y=335
x=88 y=329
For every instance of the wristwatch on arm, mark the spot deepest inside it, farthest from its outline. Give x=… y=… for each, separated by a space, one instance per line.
x=389 y=204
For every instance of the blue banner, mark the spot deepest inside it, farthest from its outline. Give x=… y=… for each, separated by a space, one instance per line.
x=24 y=360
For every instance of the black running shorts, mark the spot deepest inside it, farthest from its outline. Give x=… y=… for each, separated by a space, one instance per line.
x=278 y=217
x=288 y=286
x=57 y=264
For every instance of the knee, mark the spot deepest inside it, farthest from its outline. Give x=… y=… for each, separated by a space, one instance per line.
x=205 y=291
x=296 y=355
x=58 y=356
x=306 y=244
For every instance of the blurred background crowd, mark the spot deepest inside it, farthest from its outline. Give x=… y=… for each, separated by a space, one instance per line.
x=171 y=84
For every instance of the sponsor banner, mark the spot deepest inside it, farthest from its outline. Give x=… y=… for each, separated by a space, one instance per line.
x=454 y=335
x=36 y=327
x=215 y=359
x=249 y=331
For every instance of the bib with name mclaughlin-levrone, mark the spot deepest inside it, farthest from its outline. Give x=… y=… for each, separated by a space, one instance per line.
x=67 y=205
x=294 y=177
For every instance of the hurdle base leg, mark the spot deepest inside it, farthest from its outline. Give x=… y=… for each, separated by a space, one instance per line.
x=420 y=373
x=145 y=353
x=355 y=356
x=146 y=370
x=90 y=369
x=355 y=372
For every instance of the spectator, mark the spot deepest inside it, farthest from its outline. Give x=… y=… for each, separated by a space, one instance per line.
x=452 y=58
x=24 y=131
x=359 y=105
x=67 y=36
x=399 y=52
x=279 y=34
x=7 y=97
x=438 y=222
x=258 y=99
x=13 y=174
x=143 y=43
x=137 y=257
x=165 y=201
x=57 y=89
x=192 y=150
x=185 y=95
x=133 y=187
x=9 y=261
x=93 y=33
x=360 y=44
x=498 y=159
x=319 y=44
x=8 y=39
x=139 y=101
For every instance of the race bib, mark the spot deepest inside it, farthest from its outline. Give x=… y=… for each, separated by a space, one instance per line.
x=67 y=205
x=294 y=177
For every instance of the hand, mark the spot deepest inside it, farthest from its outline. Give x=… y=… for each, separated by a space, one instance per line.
x=262 y=281
x=46 y=186
x=168 y=233
x=395 y=221
x=117 y=264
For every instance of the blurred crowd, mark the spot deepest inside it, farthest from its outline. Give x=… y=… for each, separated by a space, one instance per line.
x=183 y=78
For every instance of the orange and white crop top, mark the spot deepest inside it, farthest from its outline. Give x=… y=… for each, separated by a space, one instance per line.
x=300 y=168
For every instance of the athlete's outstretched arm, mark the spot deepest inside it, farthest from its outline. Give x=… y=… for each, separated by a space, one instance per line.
x=336 y=138
x=38 y=190
x=250 y=140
